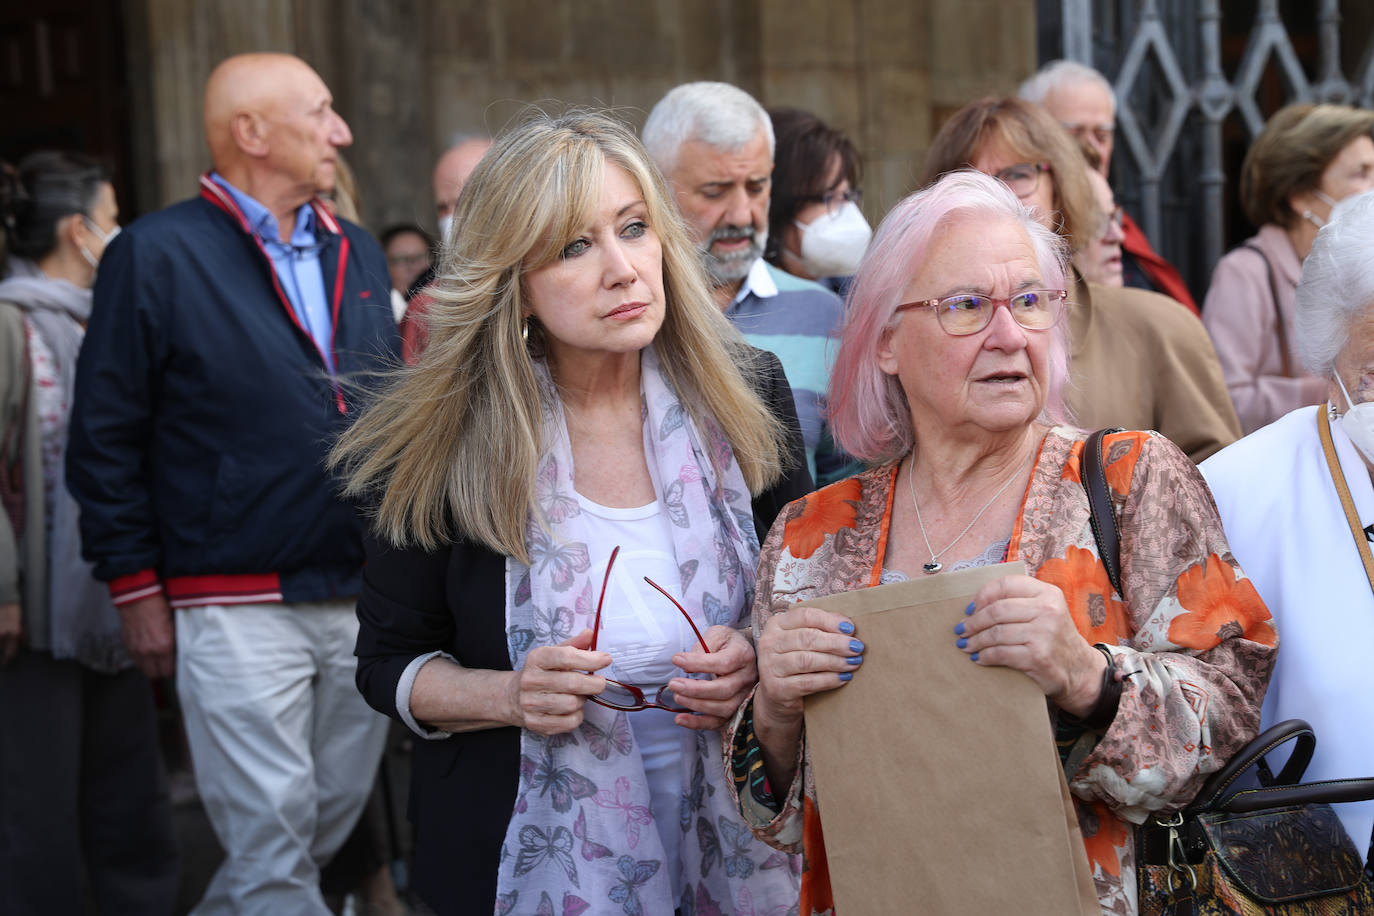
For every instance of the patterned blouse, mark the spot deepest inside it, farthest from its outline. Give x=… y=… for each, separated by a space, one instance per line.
x=1191 y=628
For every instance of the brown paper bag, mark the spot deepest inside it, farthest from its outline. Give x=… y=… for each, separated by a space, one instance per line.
x=937 y=779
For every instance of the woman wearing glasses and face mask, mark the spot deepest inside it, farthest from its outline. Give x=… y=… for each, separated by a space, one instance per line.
x=1306 y=159
x=1138 y=360
x=816 y=230
x=949 y=383
x=83 y=783
x=581 y=399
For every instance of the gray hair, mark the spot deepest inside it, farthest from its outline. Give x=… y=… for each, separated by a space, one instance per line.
x=718 y=114
x=1337 y=285
x=1059 y=73
x=461 y=136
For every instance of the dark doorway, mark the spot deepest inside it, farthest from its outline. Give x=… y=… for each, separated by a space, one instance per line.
x=64 y=84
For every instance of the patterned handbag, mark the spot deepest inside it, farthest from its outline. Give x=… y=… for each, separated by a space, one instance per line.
x=1275 y=849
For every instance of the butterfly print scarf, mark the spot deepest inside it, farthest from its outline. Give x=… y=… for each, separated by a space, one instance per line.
x=582 y=836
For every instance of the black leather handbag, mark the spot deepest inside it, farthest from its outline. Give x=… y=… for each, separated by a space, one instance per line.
x=1278 y=848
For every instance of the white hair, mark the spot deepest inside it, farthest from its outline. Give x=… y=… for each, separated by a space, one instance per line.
x=1337 y=285
x=1061 y=73
x=720 y=115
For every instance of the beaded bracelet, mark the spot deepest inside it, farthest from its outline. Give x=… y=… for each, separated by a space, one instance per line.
x=1104 y=710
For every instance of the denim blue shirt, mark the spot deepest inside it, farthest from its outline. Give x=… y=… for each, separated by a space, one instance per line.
x=297 y=264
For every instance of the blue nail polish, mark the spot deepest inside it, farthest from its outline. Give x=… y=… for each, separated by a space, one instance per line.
x=856 y=660
x=969 y=609
x=973 y=657
x=846 y=675
x=961 y=642
x=846 y=627
x=959 y=628
x=856 y=645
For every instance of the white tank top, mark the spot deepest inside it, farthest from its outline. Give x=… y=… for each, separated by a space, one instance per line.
x=642 y=631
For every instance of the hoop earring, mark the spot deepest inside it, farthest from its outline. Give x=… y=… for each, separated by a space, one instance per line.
x=525 y=331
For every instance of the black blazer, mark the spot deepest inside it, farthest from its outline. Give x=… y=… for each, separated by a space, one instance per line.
x=413 y=602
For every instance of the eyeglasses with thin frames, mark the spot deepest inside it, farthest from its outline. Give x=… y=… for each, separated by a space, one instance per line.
x=1023 y=178
x=835 y=200
x=628 y=697
x=968 y=313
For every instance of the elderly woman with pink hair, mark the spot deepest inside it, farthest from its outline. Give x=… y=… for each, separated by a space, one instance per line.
x=949 y=383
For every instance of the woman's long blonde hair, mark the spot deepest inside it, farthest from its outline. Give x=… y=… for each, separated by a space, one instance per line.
x=449 y=449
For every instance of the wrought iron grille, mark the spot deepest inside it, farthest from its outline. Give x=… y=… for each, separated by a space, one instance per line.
x=1165 y=60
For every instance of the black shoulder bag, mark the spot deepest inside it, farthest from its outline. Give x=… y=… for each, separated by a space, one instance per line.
x=1278 y=849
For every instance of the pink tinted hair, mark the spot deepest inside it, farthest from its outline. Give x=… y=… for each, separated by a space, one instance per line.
x=867 y=408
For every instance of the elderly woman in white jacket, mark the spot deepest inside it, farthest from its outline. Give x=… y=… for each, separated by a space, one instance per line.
x=1297 y=503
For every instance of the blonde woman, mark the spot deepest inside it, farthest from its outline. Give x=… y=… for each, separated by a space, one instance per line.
x=580 y=392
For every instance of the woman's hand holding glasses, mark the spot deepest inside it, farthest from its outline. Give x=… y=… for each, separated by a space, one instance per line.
x=731 y=661
x=548 y=694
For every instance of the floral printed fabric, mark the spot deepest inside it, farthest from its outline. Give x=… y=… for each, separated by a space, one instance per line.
x=583 y=837
x=1190 y=625
x=51 y=404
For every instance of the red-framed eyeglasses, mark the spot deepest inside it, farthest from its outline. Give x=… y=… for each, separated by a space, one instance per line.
x=628 y=697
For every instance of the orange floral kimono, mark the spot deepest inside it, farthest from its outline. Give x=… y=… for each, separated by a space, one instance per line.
x=1190 y=623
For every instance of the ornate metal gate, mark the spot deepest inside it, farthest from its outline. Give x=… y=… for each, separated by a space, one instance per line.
x=1165 y=59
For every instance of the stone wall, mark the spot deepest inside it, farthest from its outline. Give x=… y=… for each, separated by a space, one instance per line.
x=407 y=74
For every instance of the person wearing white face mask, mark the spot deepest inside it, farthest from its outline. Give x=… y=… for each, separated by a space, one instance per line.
x=1297 y=503
x=1306 y=159
x=816 y=230
x=80 y=776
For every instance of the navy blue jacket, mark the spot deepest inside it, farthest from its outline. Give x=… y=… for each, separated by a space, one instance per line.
x=203 y=411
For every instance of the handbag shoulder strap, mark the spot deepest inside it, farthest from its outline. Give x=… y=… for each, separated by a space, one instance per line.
x=1101 y=511
x=1352 y=518
x=1285 y=360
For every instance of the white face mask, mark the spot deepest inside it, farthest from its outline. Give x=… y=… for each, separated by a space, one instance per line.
x=107 y=238
x=1313 y=218
x=832 y=244
x=445 y=224
x=1358 y=423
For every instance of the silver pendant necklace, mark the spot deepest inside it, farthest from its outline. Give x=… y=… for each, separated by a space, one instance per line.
x=935 y=565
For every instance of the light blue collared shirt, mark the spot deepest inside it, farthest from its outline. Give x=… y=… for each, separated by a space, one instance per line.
x=297 y=264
